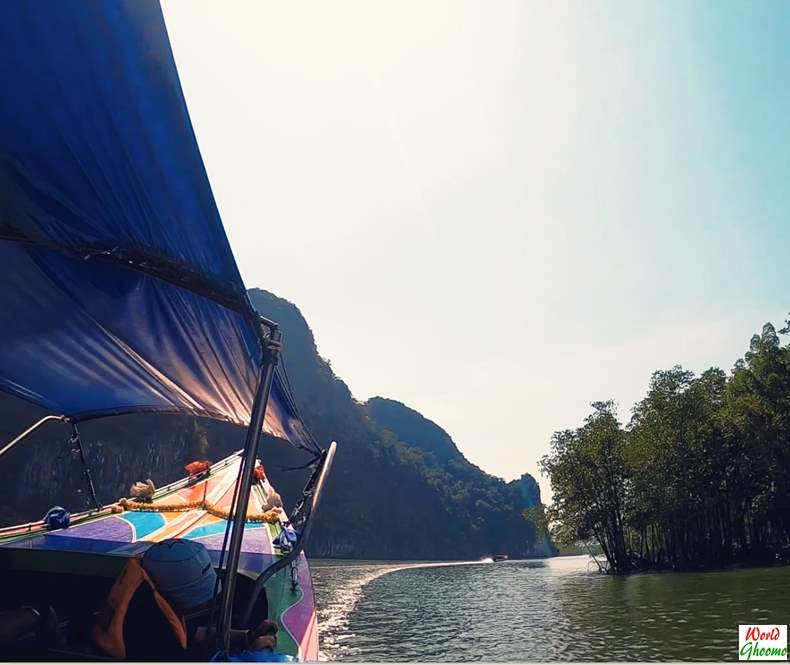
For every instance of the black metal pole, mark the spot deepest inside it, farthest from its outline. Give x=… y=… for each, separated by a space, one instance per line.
x=270 y=360
x=323 y=471
x=76 y=441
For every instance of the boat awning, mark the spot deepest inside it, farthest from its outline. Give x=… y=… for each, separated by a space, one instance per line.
x=121 y=293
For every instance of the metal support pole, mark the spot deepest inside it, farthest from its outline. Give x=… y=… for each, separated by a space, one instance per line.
x=75 y=441
x=238 y=515
x=323 y=472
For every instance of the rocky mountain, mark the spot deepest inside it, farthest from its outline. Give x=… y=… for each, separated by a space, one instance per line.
x=400 y=488
x=529 y=489
x=412 y=428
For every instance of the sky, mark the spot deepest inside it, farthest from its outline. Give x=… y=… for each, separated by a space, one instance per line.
x=499 y=212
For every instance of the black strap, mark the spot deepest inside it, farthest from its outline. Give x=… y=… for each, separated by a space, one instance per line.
x=76 y=444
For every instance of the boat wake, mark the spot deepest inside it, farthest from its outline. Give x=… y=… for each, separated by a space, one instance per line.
x=339 y=588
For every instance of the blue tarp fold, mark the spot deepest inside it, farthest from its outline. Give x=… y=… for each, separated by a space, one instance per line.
x=121 y=293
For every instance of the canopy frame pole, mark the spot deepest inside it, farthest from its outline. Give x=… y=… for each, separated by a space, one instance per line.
x=30 y=430
x=272 y=348
x=312 y=492
x=77 y=443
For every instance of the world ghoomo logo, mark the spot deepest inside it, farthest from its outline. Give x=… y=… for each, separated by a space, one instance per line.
x=762 y=642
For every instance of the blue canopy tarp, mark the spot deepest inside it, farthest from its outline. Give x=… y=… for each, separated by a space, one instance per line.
x=121 y=293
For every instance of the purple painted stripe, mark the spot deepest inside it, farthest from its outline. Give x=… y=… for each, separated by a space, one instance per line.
x=107 y=529
x=255 y=541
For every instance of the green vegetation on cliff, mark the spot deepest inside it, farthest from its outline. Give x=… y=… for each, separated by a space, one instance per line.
x=399 y=478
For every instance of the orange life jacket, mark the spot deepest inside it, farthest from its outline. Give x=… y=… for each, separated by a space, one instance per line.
x=108 y=629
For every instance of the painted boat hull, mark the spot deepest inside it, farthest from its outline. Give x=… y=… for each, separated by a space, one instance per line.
x=110 y=536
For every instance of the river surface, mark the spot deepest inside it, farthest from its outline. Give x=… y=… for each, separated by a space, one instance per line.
x=552 y=609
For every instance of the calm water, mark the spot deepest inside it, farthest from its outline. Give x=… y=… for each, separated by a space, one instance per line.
x=538 y=610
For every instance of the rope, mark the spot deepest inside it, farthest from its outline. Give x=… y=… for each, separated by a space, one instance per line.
x=271 y=516
x=286 y=381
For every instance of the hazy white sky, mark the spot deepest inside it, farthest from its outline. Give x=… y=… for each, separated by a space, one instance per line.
x=498 y=212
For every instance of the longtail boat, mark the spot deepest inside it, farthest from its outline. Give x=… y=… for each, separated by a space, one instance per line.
x=121 y=295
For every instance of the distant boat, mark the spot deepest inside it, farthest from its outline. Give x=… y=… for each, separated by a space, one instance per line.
x=499 y=557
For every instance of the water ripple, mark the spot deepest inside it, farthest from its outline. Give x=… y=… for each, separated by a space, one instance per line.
x=536 y=610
